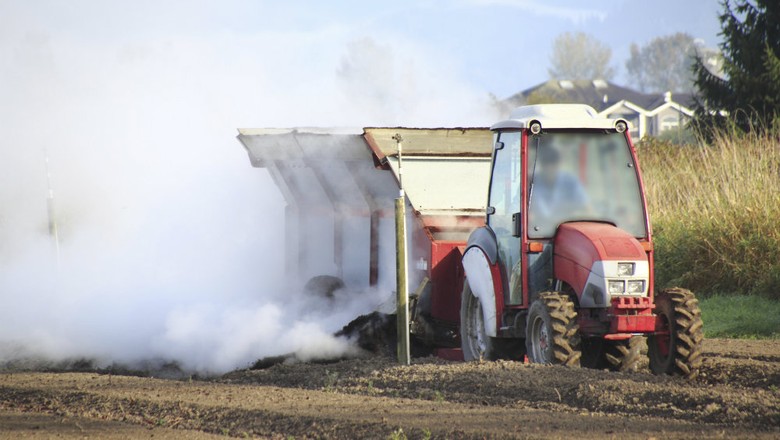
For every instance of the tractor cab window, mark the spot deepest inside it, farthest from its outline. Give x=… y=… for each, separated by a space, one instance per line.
x=582 y=176
x=505 y=188
x=505 y=198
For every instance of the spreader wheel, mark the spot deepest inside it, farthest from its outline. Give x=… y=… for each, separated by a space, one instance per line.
x=324 y=286
x=676 y=346
x=552 y=335
x=474 y=341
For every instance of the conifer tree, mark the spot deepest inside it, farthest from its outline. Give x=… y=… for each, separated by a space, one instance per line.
x=746 y=95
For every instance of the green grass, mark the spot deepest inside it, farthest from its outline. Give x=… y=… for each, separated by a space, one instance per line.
x=740 y=316
x=715 y=211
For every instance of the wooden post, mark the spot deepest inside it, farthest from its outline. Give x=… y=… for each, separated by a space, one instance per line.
x=402 y=295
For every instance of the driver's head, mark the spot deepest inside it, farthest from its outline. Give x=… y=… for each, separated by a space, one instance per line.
x=549 y=159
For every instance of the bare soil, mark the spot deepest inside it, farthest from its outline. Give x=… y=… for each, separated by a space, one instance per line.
x=736 y=396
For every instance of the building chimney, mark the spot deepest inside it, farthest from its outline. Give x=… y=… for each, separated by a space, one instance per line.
x=668 y=97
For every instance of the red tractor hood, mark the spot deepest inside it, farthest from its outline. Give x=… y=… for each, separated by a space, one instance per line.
x=584 y=243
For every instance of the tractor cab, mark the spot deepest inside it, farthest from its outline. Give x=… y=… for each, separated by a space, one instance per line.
x=564 y=261
x=546 y=177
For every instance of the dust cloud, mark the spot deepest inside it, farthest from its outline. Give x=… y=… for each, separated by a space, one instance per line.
x=169 y=242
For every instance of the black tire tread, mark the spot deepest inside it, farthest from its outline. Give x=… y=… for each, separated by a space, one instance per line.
x=565 y=337
x=623 y=355
x=687 y=326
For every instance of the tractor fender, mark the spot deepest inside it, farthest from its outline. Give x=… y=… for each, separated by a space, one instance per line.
x=480 y=274
x=485 y=239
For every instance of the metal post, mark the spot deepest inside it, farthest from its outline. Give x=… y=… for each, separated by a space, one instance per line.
x=399 y=145
x=402 y=295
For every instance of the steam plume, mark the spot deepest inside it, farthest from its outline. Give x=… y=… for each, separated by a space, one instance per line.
x=170 y=243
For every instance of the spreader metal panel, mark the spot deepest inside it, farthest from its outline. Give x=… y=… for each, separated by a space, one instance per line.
x=339 y=185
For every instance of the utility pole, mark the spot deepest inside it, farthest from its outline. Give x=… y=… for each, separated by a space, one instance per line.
x=402 y=294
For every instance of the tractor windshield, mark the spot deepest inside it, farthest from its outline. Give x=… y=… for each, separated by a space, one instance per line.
x=579 y=177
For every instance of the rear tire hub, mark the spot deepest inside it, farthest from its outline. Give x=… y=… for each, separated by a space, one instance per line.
x=475 y=342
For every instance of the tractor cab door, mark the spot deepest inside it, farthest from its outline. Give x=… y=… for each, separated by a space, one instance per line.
x=504 y=213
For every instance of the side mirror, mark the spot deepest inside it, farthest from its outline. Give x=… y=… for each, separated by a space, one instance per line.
x=517 y=224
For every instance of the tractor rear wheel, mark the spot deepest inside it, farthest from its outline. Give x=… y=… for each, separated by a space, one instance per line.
x=603 y=354
x=474 y=341
x=676 y=346
x=552 y=334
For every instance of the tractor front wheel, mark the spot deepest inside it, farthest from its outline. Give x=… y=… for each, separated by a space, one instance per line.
x=474 y=341
x=552 y=335
x=676 y=346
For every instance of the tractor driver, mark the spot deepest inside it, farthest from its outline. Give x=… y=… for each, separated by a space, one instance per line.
x=556 y=194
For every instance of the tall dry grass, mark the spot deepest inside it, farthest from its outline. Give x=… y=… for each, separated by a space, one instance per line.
x=715 y=212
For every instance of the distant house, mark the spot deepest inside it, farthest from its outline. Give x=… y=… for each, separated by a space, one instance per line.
x=650 y=114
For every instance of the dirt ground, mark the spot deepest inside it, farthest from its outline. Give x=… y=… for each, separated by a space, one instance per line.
x=736 y=396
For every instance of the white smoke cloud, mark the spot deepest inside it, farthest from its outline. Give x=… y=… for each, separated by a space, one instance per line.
x=170 y=242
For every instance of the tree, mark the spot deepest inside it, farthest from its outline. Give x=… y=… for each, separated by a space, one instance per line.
x=580 y=56
x=747 y=95
x=663 y=64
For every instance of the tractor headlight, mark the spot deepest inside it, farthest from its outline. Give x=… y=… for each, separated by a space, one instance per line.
x=616 y=286
x=636 y=287
x=625 y=269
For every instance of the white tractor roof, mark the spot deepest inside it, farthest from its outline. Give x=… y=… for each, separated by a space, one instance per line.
x=552 y=116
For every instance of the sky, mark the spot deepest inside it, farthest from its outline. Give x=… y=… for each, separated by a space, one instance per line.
x=499 y=46
x=170 y=243
x=291 y=53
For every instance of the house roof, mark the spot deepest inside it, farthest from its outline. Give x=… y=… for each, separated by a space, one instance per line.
x=598 y=94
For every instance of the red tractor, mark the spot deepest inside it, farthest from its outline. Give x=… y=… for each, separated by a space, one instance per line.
x=558 y=263
x=563 y=268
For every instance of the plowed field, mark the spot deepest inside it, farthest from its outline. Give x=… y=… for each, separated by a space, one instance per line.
x=736 y=396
